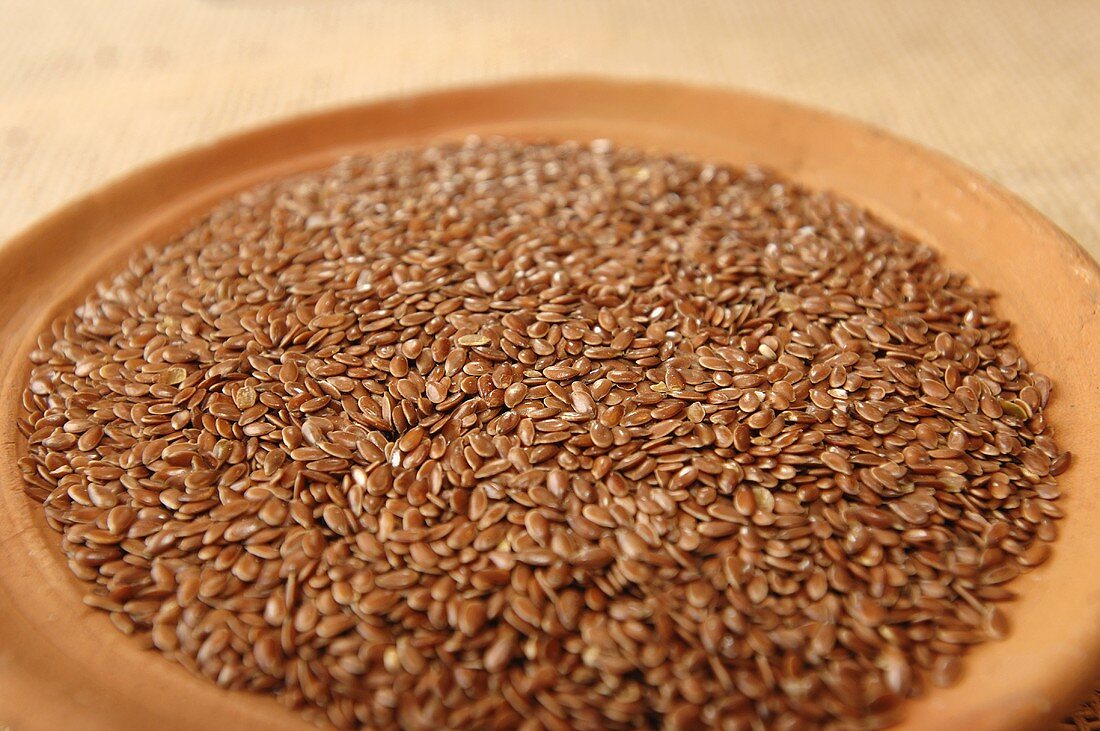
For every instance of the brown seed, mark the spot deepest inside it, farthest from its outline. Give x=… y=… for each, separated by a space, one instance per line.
x=836 y=463
x=601 y=436
x=725 y=512
x=335 y=625
x=244 y=397
x=1037 y=553
x=599 y=516
x=500 y=652
x=996 y=623
x=631 y=544
x=494 y=434
x=471 y=618
x=592 y=558
x=684 y=477
x=866 y=610
x=896 y=671
x=744 y=501
x=165 y=638
x=537 y=527
x=269 y=654
x=946 y=670
x=514 y=394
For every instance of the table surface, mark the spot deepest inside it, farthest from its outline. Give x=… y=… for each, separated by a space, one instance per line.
x=91 y=90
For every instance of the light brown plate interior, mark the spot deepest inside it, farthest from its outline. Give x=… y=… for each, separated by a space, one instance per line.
x=64 y=666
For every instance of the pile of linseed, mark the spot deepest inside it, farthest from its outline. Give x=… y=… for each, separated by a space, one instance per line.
x=499 y=435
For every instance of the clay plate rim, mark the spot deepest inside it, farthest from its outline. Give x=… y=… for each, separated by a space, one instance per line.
x=59 y=660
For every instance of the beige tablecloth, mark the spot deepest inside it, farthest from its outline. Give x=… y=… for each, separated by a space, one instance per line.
x=91 y=89
x=88 y=90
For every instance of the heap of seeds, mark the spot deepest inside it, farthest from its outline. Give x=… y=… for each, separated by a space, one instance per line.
x=498 y=435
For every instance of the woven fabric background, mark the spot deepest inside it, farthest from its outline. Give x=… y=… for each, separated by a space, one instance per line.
x=89 y=90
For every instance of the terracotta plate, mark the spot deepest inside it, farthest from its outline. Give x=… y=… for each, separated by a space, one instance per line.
x=63 y=665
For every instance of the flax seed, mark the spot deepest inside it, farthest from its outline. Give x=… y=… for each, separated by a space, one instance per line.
x=493 y=433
